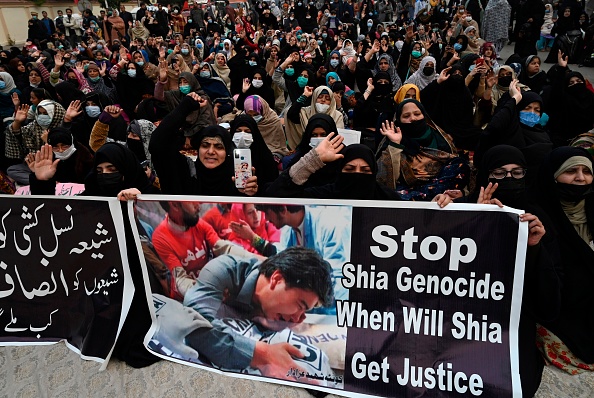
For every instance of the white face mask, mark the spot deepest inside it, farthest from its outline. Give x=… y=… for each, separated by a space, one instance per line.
x=44 y=120
x=315 y=141
x=257 y=83
x=65 y=154
x=468 y=19
x=242 y=139
x=322 y=108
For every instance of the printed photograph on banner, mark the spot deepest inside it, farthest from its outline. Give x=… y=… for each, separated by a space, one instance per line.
x=63 y=273
x=248 y=288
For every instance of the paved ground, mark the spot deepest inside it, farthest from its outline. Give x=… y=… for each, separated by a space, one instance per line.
x=587 y=72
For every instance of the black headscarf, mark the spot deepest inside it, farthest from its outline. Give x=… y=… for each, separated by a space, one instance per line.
x=68 y=93
x=535 y=82
x=265 y=91
x=77 y=166
x=573 y=110
x=511 y=192
x=131 y=90
x=451 y=106
x=217 y=181
x=413 y=138
x=328 y=173
x=354 y=185
x=573 y=326
x=127 y=164
x=262 y=159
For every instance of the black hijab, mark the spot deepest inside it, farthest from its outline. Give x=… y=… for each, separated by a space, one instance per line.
x=420 y=133
x=574 y=326
x=451 y=106
x=328 y=173
x=354 y=185
x=262 y=159
x=536 y=82
x=127 y=164
x=510 y=191
x=217 y=181
x=68 y=93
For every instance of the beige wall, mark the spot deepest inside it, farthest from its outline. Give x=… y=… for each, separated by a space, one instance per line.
x=15 y=14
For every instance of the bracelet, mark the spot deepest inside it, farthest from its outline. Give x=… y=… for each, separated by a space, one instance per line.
x=258 y=243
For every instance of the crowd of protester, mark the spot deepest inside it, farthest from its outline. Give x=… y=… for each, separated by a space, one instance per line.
x=157 y=101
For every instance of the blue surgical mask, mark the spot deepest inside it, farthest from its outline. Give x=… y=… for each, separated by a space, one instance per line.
x=415 y=53
x=369 y=24
x=95 y=79
x=544 y=119
x=185 y=51
x=185 y=89
x=2 y=84
x=252 y=63
x=44 y=120
x=530 y=119
x=72 y=61
x=334 y=63
x=302 y=81
x=132 y=72
x=99 y=46
x=457 y=46
x=198 y=45
x=93 y=110
x=320 y=42
x=324 y=35
x=140 y=63
x=290 y=71
x=205 y=74
x=258 y=118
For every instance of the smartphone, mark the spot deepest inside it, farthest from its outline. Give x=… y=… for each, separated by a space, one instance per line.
x=242 y=161
x=479 y=61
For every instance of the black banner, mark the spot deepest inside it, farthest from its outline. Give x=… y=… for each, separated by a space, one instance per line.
x=62 y=273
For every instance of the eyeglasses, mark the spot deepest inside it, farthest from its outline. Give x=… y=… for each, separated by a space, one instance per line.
x=517 y=173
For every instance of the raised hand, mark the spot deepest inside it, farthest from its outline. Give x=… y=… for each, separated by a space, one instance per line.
x=514 y=91
x=308 y=91
x=246 y=85
x=113 y=110
x=328 y=150
x=80 y=67
x=103 y=69
x=562 y=59
x=376 y=47
x=491 y=80
x=45 y=167
x=16 y=101
x=443 y=75
x=74 y=109
x=486 y=195
x=21 y=113
x=393 y=133
x=163 y=71
x=370 y=86
x=58 y=61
